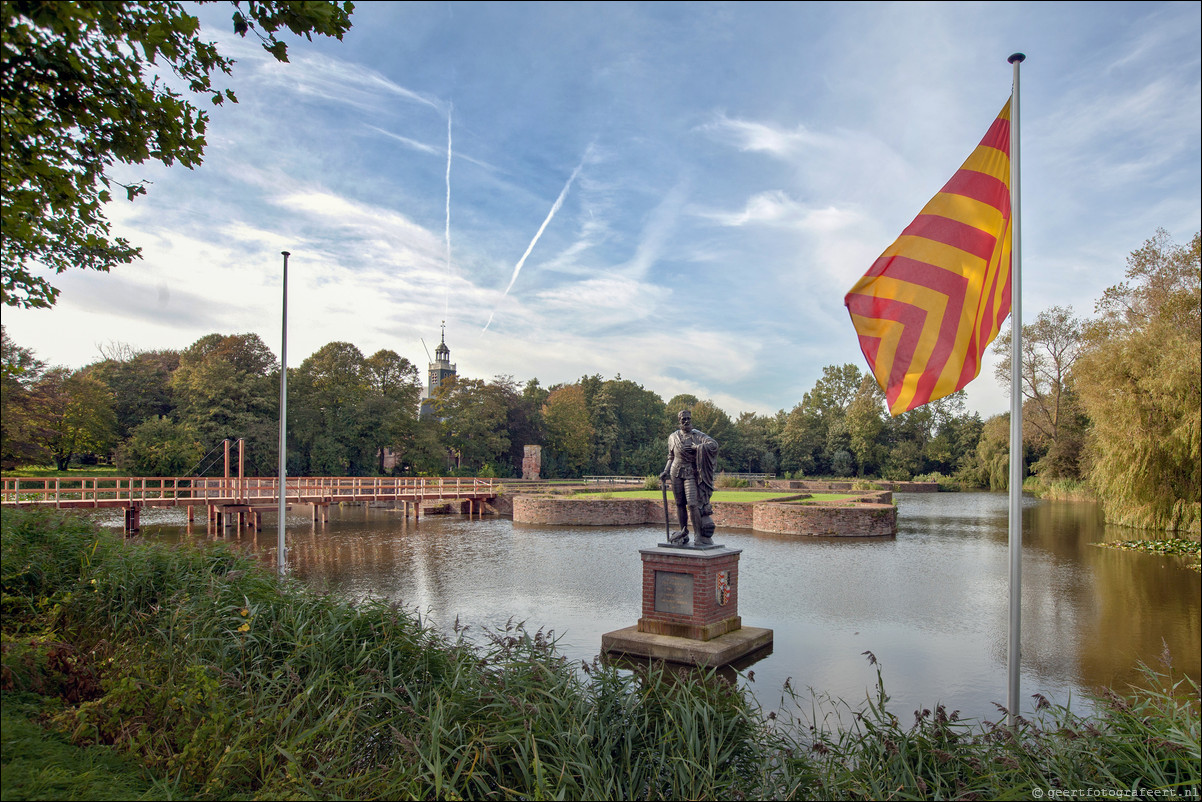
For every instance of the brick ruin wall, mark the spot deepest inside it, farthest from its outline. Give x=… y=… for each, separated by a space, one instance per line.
x=876 y=518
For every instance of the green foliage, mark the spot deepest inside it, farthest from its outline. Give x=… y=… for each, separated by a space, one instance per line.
x=160 y=447
x=43 y=765
x=1140 y=380
x=627 y=421
x=946 y=483
x=236 y=684
x=472 y=417
x=1190 y=549
x=1052 y=418
x=729 y=481
x=19 y=371
x=73 y=414
x=1147 y=740
x=140 y=383
x=569 y=430
x=227 y=387
x=88 y=85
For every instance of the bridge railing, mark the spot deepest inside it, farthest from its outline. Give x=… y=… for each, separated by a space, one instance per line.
x=94 y=489
x=131 y=490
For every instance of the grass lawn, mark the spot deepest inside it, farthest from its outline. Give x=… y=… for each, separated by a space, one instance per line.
x=744 y=496
x=39 y=764
x=40 y=471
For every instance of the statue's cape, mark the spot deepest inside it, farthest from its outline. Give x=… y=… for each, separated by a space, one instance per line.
x=705 y=456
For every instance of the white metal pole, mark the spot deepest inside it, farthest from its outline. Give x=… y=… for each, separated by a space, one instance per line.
x=281 y=559
x=1014 y=655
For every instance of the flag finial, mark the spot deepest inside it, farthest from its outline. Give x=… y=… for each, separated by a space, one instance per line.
x=1019 y=57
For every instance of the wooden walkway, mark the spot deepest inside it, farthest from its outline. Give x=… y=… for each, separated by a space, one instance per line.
x=241 y=495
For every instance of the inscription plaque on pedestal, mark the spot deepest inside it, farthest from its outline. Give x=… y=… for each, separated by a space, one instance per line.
x=673 y=593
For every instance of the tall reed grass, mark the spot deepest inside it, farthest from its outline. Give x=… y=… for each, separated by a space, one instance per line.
x=228 y=682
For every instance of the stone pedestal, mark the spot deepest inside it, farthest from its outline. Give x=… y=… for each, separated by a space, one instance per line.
x=690 y=609
x=690 y=592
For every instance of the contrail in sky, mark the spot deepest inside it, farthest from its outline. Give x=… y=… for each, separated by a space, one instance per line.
x=555 y=208
x=446 y=293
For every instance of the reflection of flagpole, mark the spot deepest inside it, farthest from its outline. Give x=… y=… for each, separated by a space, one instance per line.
x=280 y=557
x=1013 y=657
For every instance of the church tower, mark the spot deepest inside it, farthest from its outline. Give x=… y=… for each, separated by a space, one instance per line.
x=439 y=371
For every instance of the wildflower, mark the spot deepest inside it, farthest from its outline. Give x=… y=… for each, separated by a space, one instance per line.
x=244 y=628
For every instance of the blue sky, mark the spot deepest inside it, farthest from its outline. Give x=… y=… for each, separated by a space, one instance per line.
x=679 y=193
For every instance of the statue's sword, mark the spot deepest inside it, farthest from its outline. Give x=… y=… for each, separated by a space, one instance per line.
x=667 y=523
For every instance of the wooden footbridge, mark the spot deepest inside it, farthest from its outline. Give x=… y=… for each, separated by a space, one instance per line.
x=244 y=499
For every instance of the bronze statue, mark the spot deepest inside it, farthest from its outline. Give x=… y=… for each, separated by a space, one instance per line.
x=691 y=457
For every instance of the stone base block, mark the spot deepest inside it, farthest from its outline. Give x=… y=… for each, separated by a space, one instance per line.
x=654 y=626
x=718 y=651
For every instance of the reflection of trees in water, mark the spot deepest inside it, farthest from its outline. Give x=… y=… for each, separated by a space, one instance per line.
x=1106 y=610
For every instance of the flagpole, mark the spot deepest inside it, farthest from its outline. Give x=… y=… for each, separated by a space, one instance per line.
x=1013 y=657
x=281 y=559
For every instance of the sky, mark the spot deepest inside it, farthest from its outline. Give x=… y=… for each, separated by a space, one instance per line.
x=677 y=193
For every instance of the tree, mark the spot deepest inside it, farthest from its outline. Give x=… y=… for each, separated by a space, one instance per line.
x=802 y=436
x=395 y=392
x=628 y=420
x=808 y=444
x=74 y=415
x=160 y=447
x=1139 y=380
x=338 y=415
x=140 y=383
x=472 y=423
x=717 y=424
x=19 y=371
x=569 y=430
x=226 y=387
x=87 y=85
x=748 y=449
x=866 y=425
x=1051 y=413
x=989 y=464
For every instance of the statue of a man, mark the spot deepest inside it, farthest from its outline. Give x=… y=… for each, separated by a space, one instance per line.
x=691 y=457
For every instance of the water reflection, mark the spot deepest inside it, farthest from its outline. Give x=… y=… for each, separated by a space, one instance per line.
x=931 y=604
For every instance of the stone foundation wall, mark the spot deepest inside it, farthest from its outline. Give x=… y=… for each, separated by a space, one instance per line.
x=912 y=487
x=876 y=519
x=585 y=512
x=861 y=520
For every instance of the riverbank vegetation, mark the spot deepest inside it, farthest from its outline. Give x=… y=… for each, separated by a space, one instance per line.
x=195 y=673
x=1111 y=410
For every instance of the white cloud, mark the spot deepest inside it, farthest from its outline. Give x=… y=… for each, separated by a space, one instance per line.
x=775 y=207
x=334 y=80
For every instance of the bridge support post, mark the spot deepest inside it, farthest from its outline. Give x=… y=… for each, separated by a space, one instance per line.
x=133 y=520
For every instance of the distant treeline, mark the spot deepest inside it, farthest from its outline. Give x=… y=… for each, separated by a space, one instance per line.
x=1113 y=402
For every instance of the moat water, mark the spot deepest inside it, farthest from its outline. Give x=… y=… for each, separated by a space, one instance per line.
x=930 y=604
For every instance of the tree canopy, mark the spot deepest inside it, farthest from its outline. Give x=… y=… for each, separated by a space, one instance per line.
x=87 y=85
x=1139 y=380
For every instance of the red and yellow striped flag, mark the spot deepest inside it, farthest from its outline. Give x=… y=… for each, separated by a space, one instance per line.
x=930 y=305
